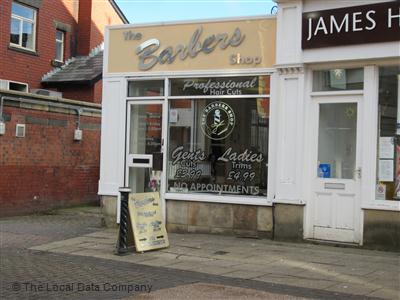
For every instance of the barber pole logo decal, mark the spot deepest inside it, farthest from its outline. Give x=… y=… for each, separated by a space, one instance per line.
x=217 y=120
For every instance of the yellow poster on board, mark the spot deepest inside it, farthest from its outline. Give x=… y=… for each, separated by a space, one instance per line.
x=147 y=223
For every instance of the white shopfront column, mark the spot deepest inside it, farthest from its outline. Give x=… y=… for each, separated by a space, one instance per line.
x=290 y=104
x=290 y=135
x=112 y=131
x=112 y=152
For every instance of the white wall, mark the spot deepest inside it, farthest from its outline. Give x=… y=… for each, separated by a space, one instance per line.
x=290 y=136
x=112 y=137
x=292 y=96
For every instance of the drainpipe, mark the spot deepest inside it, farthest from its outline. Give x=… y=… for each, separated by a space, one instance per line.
x=1 y=108
x=2 y=123
x=273 y=219
x=78 y=112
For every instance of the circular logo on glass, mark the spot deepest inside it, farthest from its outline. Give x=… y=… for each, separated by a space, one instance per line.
x=217 y=120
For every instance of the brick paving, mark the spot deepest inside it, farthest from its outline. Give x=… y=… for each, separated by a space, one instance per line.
x=57 y=274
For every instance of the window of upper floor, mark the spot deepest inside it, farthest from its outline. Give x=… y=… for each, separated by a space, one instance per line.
x=60 y=38
x=23 y=26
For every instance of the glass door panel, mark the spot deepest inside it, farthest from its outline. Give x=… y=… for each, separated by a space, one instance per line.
x=145 y=128
x=337 y=139
x=144 y=158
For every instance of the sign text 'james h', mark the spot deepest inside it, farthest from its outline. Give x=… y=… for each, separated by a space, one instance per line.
x=149 y=54
x=372 y=23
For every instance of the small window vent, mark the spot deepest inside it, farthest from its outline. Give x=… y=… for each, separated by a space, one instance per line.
x=13 y=86
x=18 y=86
x=20 y=130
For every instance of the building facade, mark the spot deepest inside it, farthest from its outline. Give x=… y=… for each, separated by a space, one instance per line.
x=49 y=145
x=338 y=88
x=216 y=68
x=295 y=145
x=39 y=36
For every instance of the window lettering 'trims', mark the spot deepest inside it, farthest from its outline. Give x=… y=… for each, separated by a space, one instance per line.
x=217 y=120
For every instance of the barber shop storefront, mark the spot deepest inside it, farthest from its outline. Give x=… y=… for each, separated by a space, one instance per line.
x=187 y=112
x=282 y=127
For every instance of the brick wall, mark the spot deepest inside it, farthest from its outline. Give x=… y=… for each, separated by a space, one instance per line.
x=103 y=14
x=47 y=168
x=30 y=68
x=83 y=93
x=98 y=90
x=84 y=35
x=84 y=25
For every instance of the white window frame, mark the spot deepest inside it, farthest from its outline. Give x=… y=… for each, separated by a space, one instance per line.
x=370 y=127
x=209 y=197
x=26 y=20
x=372 y=99
x=62 y=45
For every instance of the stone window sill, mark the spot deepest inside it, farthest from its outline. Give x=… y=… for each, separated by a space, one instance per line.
x=22 y=50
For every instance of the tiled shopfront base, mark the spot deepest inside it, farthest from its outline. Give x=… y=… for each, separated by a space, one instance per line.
x=109 y=210
x=201 y=217
x=281 y=222
x=382 y=229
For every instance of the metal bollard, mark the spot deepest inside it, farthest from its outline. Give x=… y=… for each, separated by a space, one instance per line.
x=122 y=243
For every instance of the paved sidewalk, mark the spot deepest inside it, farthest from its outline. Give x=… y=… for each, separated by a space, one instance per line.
x=342 y=270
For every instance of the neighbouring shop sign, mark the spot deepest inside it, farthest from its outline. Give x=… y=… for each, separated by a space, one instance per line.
x=373 y=23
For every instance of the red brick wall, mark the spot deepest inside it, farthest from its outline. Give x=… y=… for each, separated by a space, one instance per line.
x=27 y=67
x=98 y=90
x=47 y=168
x=103 y=14
x=81 y=92
x=84 y=25
x=84 y=93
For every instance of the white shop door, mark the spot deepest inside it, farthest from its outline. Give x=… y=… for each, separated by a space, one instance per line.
x=144 y=146
x=335 y=203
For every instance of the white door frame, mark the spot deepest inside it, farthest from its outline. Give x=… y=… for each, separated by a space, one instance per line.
x=311 y=150
x=129 y=104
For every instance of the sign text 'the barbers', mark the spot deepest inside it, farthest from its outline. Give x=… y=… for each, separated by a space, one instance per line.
x=148 y=56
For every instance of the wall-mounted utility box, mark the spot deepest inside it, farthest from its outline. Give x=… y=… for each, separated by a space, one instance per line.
x=2 y=128
x=20 y=130
x=78 y=135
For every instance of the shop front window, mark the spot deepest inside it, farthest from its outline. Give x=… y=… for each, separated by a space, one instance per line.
x=388 y=160
x=338 y=80
x=146 y=88
x=219 y=145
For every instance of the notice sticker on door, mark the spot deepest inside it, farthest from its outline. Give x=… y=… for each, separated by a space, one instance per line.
x=386 y=147
x=380 y=191
x=324 y=170
x=385 y=170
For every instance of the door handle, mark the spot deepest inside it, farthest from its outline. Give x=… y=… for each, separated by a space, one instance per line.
x=357 y=173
